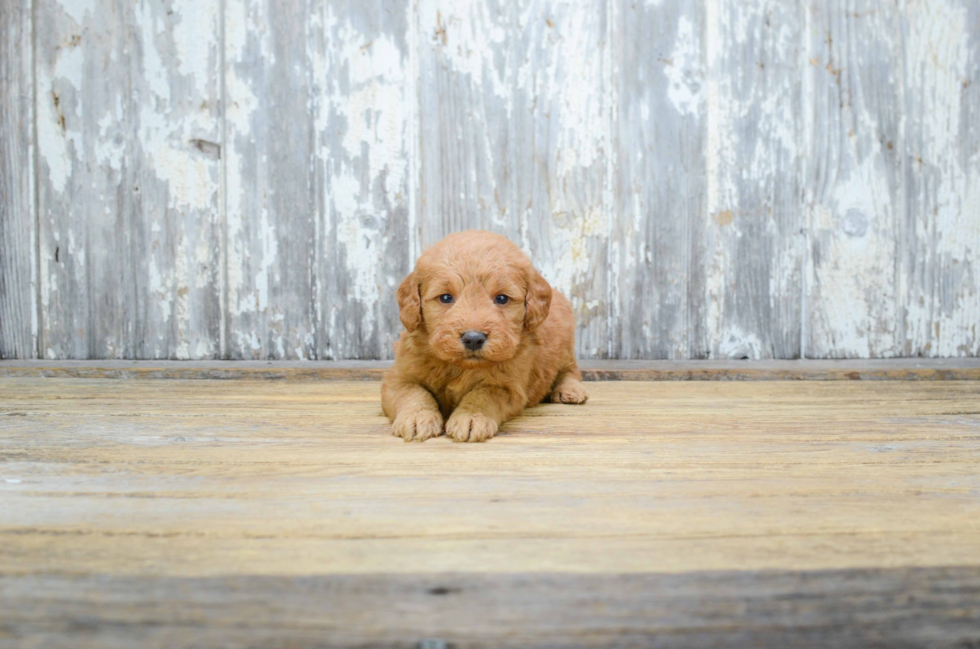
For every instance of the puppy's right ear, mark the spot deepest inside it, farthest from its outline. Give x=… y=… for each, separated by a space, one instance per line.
x=409 y=303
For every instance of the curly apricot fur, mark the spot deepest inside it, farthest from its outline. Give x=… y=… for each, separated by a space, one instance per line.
x=528 y=356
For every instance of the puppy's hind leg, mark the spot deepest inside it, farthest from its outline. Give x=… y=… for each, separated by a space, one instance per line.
x=568 y=389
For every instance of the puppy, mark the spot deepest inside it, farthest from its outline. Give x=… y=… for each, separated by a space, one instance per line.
x=486 y=337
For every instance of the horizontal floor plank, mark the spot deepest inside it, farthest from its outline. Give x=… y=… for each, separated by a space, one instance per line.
x=948 y=369
x=257 y=477
x=840 y=608
x=257 y=513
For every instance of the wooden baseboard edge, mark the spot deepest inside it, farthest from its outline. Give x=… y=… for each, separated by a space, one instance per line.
x=899 y=369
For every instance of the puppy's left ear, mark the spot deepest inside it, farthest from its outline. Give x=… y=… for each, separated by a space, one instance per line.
x=537 y=302
x=409 y=303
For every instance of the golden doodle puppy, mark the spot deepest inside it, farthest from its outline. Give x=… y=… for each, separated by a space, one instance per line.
x=486 y=337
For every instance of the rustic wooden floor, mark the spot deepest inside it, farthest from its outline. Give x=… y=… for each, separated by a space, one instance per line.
x=274 y=513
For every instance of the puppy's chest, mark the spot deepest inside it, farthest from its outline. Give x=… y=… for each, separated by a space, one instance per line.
x=451 y=390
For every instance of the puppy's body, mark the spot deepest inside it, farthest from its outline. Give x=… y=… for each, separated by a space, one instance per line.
x=527 y=353
x=539 y=360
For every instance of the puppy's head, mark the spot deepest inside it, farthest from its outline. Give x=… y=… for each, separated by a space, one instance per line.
x=474 y=295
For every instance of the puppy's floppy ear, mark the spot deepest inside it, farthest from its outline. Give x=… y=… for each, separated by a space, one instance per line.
x=537 y=302
x=409 y=303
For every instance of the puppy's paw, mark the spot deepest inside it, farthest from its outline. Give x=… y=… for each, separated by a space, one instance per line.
x=417 y=426
x=570 y=391
x=466 y=426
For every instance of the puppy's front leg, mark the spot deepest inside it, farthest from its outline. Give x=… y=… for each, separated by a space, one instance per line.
x=412 y=409
x=480 y=413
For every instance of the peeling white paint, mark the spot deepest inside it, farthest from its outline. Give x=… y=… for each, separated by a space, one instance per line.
x=203 y=349
x=58 y=142
x=182 y=299
x=852 y=296
x=79 y=10
x=195 y=26
x=943 y=309
x=159 y=287
x=51 y=142
x=109 y=151
x=107 y=147
x=374 y=108
x=721 y=193
x=362 y=123
x=683 y=69
x=737 y=344
x=155 y=73
x=242 y=106
x=361 y=257
x=573 y=263
x=880 y=285
x=570 y=80
x=373 y=105
x=551 y=182
x=558 y=56
x=752 y=250
x=191 y=177
x=241 y=109
x=716 y=131
x=270 y=253
x=460 y=31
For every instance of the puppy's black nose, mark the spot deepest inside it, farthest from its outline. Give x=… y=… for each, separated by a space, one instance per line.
x=473 y=340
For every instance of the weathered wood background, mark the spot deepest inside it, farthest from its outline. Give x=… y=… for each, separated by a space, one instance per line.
x=717 y=179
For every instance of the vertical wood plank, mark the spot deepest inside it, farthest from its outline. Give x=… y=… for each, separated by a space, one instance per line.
x=659 y=198
x=128 y=145
x=940 y=245
x=515 y=137
x=364 y=106
x=465 y=102
x=751 y=242
x=562 y=119
x=271 y=188
x=657 y=160
x=18 y=296
x=854 y=197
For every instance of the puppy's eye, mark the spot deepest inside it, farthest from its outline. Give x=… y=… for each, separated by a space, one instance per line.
x=501 y=299
x=446 y=298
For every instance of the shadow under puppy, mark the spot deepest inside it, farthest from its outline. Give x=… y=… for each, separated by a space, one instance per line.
x=486 y=337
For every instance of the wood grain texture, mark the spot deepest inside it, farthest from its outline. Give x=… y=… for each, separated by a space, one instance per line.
x=854 y=180
x=128 y=177
x=940 y=238
x=465 y=93
x=224 y=478
x=752 y=232
x=892 y=178
x=515 y=138
x=365 y=96
x=838 y=608
x=945 y=369
x=320 y=97
x=657 y=304
x=270 y=187
x=720 y=179
x=704 y=513
x=18 y=236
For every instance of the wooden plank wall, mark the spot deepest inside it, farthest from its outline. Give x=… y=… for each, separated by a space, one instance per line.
x=250 y=179
x=128 y=181
x=18 y=235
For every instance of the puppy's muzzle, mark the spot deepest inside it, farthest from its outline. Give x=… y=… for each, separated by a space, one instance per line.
x=473 y=340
